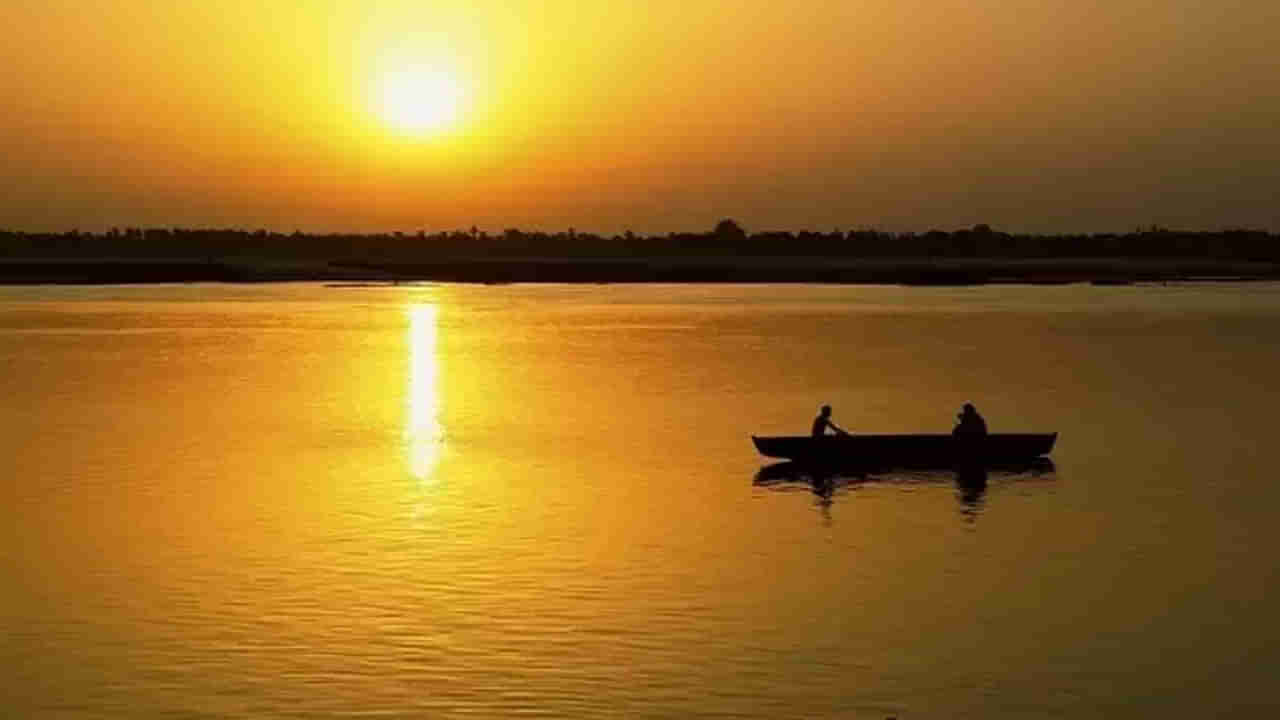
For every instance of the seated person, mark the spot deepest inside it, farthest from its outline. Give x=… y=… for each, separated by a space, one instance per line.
x=971 y=423
x=823 y=421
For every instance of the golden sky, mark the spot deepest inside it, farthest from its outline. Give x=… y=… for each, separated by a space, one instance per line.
x=653 y=115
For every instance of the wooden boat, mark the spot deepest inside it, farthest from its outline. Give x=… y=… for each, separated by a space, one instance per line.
x=924 y=451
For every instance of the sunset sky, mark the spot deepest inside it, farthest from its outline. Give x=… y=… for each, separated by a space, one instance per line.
x=653 y=115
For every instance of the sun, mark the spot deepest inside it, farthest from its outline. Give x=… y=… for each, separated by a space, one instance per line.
x=420 y=99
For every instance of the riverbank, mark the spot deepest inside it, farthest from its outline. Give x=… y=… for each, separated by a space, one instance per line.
x=883 y=271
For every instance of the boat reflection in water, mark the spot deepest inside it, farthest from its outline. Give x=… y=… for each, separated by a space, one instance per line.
x=971 y=481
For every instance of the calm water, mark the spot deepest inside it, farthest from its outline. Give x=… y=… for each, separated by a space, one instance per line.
x=299 y=501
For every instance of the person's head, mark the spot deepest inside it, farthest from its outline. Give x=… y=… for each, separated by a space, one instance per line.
x=826 y=410
x=969 y=409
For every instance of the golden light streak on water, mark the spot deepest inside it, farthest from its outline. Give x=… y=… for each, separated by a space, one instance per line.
x=424 y=434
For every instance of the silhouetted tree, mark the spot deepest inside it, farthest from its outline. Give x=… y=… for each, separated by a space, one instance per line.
x=727 y=232
x=727 y=239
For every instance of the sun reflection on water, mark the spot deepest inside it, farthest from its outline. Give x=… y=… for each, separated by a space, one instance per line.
x=425 y=435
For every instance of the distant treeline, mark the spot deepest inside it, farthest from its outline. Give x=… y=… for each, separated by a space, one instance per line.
x=726 y=239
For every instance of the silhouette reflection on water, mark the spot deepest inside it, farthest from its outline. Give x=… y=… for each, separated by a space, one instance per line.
x=971 y=483
x=971 y=491
x=823 y=483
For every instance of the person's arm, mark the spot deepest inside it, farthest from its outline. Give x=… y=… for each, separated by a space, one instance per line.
x=837 y=428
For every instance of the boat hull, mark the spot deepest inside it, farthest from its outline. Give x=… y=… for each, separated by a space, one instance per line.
x=924 y=451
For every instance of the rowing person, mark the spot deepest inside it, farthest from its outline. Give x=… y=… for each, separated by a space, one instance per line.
x=823 y=421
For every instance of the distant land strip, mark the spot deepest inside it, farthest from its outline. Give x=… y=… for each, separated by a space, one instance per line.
x=727 y=254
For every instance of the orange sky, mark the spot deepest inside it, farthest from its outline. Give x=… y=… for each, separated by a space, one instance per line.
x=654 y=115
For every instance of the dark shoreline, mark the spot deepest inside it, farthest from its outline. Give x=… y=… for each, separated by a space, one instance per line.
x=807 y=270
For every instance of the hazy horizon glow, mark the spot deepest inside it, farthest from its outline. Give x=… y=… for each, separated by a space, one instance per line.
x=652 y=115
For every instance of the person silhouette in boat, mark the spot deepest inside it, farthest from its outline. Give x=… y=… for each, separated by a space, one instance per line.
x=971 y=423
x=823 y=421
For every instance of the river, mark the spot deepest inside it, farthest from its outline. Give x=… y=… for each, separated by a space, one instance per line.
x=301 y=500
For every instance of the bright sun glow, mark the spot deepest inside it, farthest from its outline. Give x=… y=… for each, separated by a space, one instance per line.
x=420 y=99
